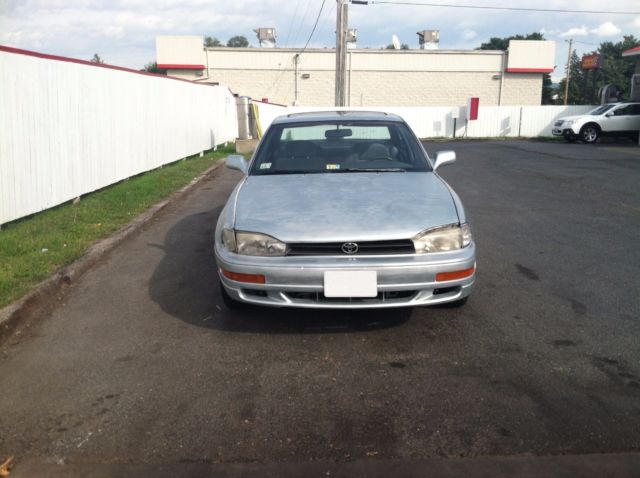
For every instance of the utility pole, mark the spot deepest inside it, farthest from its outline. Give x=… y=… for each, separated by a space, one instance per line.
x=296 y=60
x=342 y=22
x=566 y=84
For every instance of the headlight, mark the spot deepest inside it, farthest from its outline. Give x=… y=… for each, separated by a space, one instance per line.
x=568 y=123
x=252 y=244
x=229 y=239
x=442 y=239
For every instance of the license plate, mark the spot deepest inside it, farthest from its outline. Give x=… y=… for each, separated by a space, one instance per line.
x=350 y=284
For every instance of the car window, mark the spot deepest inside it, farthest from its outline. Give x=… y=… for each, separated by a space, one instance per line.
x=600 y=110
x=634 y=109
x=622 y=111
x=339 y=147
x=317 y=132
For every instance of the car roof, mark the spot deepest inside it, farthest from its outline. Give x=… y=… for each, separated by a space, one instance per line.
x=319 y=116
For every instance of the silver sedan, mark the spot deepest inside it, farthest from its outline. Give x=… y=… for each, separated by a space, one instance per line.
x=343 y=210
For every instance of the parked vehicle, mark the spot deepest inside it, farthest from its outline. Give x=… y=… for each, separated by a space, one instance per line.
x=612 y=119
x=343 y=210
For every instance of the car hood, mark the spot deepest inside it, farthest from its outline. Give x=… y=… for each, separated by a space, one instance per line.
x=575 y=117
x=343 y=206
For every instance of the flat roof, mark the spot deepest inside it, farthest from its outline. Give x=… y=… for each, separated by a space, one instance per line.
x=338 y=115
x=386 y=51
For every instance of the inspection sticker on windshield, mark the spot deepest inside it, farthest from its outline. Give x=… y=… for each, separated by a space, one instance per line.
x=333 y=166
x=265 y=165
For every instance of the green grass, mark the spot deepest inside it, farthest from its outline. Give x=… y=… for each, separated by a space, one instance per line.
x=32 y=248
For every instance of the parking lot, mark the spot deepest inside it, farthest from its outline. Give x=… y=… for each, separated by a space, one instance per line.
x=142 y=363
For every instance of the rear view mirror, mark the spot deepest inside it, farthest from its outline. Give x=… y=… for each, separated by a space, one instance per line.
x=337 y=133
x=443 y=157
x=237 y=162
x=610 y=114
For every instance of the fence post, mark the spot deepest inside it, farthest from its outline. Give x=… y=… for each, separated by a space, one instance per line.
x=520 y=123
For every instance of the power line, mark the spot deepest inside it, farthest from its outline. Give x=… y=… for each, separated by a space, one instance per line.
x=327 y=17
x=286 y=44
x=313 y=30
x=486 y=7
x=304 y=17
x=585 y=43
x=295 y=12
x=278 y=79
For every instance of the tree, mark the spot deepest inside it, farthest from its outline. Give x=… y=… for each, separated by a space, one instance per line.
x=577 y=81
x=390 y=46
x=615 y=69
x=497 y=43
x=152 y=67
x=96 y=59
x=211 y=42
x=238 y=41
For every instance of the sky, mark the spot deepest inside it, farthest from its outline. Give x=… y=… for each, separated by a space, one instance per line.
x=123 y=32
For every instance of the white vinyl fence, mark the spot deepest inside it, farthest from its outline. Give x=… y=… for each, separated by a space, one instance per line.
x=437 y=121
x=68 y=128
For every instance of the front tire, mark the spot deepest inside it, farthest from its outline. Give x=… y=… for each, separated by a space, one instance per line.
x=590 y=133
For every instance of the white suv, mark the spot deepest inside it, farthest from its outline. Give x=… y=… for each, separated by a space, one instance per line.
x=613 y=119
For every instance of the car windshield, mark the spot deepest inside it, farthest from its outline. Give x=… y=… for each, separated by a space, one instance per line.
x=600 y=110
x=339 y=147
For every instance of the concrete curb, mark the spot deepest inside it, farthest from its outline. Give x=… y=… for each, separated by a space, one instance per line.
x=42 y=294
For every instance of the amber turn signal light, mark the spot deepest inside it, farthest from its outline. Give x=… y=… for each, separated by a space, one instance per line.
x=455 y=275
x=251 y=278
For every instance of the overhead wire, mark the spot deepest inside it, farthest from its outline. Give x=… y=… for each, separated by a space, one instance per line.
x=327 y=17
x=293 y=41
x=495 y=7
x=286 y=43
x=313 y=30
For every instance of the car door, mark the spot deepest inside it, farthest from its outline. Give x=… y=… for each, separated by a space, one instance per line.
x=634 y=118
x=617 y=120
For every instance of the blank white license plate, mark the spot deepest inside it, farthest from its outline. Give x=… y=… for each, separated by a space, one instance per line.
x=350 y=284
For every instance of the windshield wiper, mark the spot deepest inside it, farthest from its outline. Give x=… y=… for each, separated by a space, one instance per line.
x=371 y=170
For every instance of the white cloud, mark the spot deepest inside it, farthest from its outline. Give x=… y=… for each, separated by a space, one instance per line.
x=607 y=29
x=575 y=32
x=469 y=34
x=123 y=31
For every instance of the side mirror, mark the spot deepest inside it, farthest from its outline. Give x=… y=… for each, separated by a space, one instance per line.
x=443 y=157
x=237 y=162
x=610 y=114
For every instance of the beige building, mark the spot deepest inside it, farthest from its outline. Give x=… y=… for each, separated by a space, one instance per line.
x=374 y=77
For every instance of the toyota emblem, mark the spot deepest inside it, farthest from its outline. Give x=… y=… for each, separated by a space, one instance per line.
x=349 y=247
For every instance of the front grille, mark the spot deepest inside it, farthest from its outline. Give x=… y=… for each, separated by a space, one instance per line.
x=401 y=246
x=383 y=296
x=558 y=123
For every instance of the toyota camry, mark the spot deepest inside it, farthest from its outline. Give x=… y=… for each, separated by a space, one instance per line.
x=343 y=209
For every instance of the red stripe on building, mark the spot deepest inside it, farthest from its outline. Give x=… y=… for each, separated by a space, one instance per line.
x=530 y=70
x=19 y=51
x=166 y=66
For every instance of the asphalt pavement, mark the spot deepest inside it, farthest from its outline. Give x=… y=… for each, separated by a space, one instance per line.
x=140 y=365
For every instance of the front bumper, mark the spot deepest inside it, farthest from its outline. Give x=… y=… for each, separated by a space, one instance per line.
x=565 y=130
x=403 y=280
x=562 y=132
